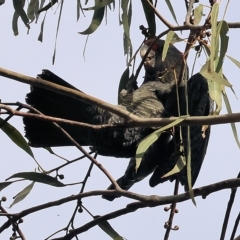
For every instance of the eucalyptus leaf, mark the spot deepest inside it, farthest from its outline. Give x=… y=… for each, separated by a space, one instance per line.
x=166 y=44
x=171 y=10
x=33 y=7
x=198 y=13
x=223 y=26
x=18 y=6
x=229 y=110
x=96 y=20
x=236 y=62
x=213 y=76
x=189 y=168
x=21 y=195
x=150 y=17
x=99 y=4
x=181 y=162
x=4 y=185
x=38 y=177
x=16 y=137
x=214 y=36
x=151 y=138
x=108 y=229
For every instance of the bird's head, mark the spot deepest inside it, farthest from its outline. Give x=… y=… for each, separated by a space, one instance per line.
x=155 y=67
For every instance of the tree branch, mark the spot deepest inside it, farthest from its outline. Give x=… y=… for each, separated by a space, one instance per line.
x=133 y=120
x=145 y=201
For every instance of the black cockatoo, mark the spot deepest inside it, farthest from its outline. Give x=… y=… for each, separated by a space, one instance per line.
x=155 y=98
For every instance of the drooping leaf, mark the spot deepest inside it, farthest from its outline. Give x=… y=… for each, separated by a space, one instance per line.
x=236 y=62
x=198 y=13
x=215 y=93
x=189 y=168
x=99 y=4
x=4 y=185
x=150 y=17
x=229 y=110
x=214 y=36
x=96 y=20
x=79 y=7
x=14 y=23
x=213 y=76
x=123 y=83
x=224 y=44
x=181 y=162
x=107 y=228
x=18 y=6
x=166 y=44
x=21 y=195
x=38 y=177
x=16 y=137
x=126 y=21
x=40 y=7
x=151 y=138
x=176 y=39
x=32 y=10
x=58 y=25
x=171 y=10
x=49 y=150
x=40 y=36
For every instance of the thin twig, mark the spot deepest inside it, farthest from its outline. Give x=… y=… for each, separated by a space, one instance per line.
x=235 y=228
x=14 y=224
x=228 y=211
x=145 y=201
x=172 y=212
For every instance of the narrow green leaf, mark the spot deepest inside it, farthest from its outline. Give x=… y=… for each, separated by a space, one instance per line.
x=189 y=168
x=181 y=162
x=166 y=44
x=14 y=23
x=214 y=36
x=58 y=25
x=229 y=110
x=198 y=13
x=21 y=195
x=150 y=17
x=224 y=44
x=99 y=4
x=40 y=7
x=215 y=93
x=40 y=36
x=176 y=39
x=31 y=9
x=107 y=228
x=151 y=138
x=4 y=185
x=16 y=137
x=171 y=10
x=38 y=177
x=18 y=6
x=123 y=83
x=49 y=150
x=213 y=76
x=236 y=62
x=126 y=27
x=96 y=20
x=79 y=7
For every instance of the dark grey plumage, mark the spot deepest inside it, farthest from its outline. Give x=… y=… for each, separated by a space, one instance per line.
x=154 y=99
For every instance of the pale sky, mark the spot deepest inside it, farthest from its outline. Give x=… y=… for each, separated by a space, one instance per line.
x=99 y=75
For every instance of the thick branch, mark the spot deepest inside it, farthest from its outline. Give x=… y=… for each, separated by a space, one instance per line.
x=133 y=120
x=146 y=201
